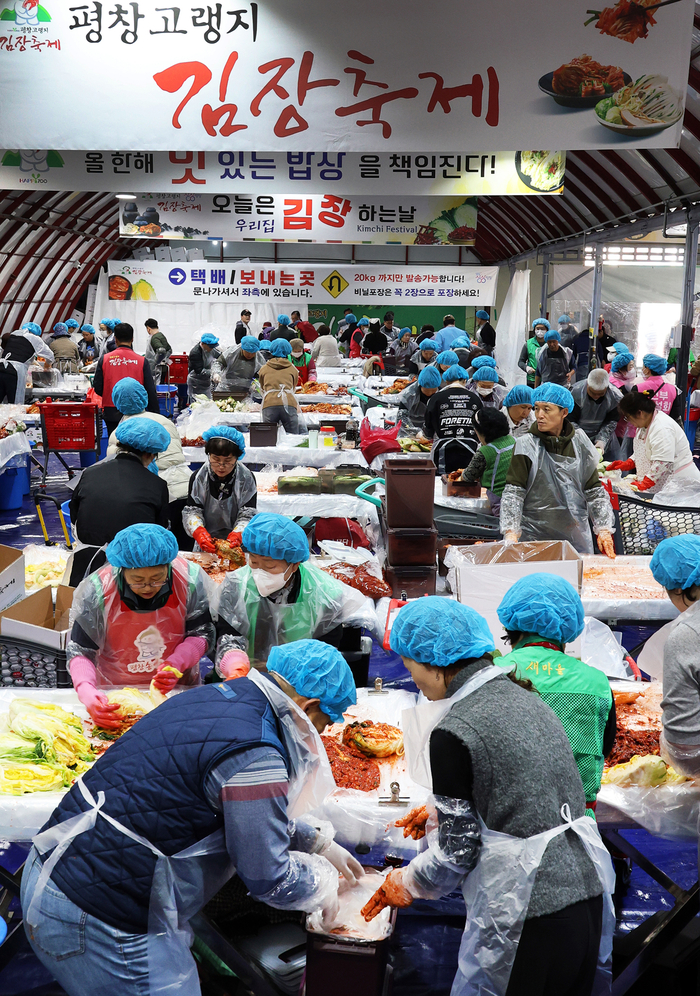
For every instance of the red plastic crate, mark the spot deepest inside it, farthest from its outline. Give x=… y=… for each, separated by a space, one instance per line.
x=69 y=426
x=178 y=369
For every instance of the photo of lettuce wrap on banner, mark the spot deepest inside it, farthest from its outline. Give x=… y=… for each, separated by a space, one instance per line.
x=394 y=76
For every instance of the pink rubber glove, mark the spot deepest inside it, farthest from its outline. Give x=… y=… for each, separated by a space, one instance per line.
x=189 y=653
x=234 y=664
x=102 y=712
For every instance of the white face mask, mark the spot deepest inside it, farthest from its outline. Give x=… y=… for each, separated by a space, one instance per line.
x=485 y=391
x=266 y=582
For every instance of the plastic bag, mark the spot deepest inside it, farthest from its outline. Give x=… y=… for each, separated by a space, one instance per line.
x=680 y=491
x=665 y=810
x=348 y=921
x=44 y=566
x=376 y=441
x=199 y=416
x=601 y=650
x=454 y=841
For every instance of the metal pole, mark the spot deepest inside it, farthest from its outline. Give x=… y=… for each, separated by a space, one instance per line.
x=687 y=306
x=545 y=285
x=597 y=297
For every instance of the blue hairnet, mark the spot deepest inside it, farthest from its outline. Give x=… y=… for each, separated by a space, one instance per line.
x=250 y=344
x=363 y=321
x=88 y=328
x=209 y=339
x=225 y=432
x=284 y=320
x=676 y=561
x=541 y=321
x=455 y=372
x=72 y=324
x=563 y=320
x=545 y=604
x=129 y=396
x=142 y=545
x=110 y=323
x=404 y=330
x=143 y=435
x=430 y=377
x=552 y=335
x=32 y=327
x=60 y=329
x=271 y=535
x=439 y=631
x=483 y=361
x=554 y=394
x=447 y=358
x=428 y=344
x=521 y=394
x=153 y=467
x=620 y=347
x=280 y=348
x=487 y=374
x=657 y=364
x=621 y=361
x=317 y=671
x=351 y=318
x=461 y=342
x=482 y=314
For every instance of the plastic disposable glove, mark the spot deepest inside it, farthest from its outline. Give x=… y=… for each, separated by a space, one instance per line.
x=510 y=538
x=101 y=711
x=234 y=664
x=530 y=370
x=620 y=465
x=606 y=545
x=343 y=861
x=414 y=823
x=329 y=912
x=644 y=484
x=167 y=677
x=234 y=538
x=202 y=537
x=600 y=445
x=392 y=893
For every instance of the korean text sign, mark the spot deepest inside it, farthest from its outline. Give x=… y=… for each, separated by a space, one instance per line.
x=463 y=285
x=281 y=75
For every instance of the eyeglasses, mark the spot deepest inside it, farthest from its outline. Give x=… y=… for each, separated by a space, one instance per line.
x=149 y=585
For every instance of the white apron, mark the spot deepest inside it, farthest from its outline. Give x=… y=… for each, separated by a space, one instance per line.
x=497 y=892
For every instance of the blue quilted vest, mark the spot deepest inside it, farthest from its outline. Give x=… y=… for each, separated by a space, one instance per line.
x=153 y=780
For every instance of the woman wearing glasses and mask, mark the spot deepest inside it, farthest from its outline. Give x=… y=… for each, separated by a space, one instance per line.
x=223 y=493
x=142 y=617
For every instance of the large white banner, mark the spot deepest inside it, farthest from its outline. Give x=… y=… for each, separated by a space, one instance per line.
x=328 y=217
x=366 y=76
x=327 y=284
x=445 y=173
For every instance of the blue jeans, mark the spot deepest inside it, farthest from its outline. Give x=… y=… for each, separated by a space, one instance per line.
x=86 y=955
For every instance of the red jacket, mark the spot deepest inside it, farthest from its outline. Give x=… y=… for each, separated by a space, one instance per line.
x=121 y=362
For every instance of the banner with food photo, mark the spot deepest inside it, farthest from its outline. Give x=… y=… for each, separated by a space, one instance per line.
x=316 y=218
x=278 y=75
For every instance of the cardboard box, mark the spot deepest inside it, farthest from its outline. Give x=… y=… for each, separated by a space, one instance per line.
x=483 y=574
x=11 y=576
x=36 y=620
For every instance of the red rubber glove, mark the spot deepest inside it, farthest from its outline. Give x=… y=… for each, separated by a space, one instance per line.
x=391 y=893
x=102 y=712
x=165 y=681
x=234 y=538
x=645 y=484
x=202 y=537
x=234 y=664
x=606 y=544
x=621 y=465
x=414 y=824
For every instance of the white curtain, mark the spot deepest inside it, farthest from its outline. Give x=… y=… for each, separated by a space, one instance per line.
x=182 y=322
x=510 y=330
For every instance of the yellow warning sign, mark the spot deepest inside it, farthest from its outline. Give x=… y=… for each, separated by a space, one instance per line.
x=335 y=283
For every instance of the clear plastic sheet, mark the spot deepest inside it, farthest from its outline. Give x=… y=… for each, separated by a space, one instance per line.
x=601 y=650
x=666 y=810
x=348 y=921
x=680 y=491
x=623 y=588
x=684 y=758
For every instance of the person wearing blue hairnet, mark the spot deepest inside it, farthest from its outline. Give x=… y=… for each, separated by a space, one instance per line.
x=485 y=332
x=595 y=408
x=199 y=364
x=500 y=767
x=32 y=327
x=567 y=330
x=517 y=405
x=284 y=329
x=106 y=329
x=485 y=382
x=616 y=349
x=449 y=417
x=65 y=351
x=219 y=779
x=278 y=381
x=143 y=617
x=349 y=330
x=72 y=325
x=667 y=397
x=555 y=363
x=130 y=398
x=423 y=357
x=279 y=597
x=541 y=614
x=237 y=367
x=114 y=494
x=552 y=487
x=223 y=493
x=20 y=349
x=527 y=360
x=676 y=566
x=89 y=347
x=414 y=399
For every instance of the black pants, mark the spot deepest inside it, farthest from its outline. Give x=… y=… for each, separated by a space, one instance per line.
x=8 y=384
x=558 y=954
x=184 y=542
x=111 y=417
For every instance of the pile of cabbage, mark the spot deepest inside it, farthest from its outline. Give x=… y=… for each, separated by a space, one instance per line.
x=42 y=748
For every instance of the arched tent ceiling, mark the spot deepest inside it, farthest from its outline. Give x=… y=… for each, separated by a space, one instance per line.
x=53 y=244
